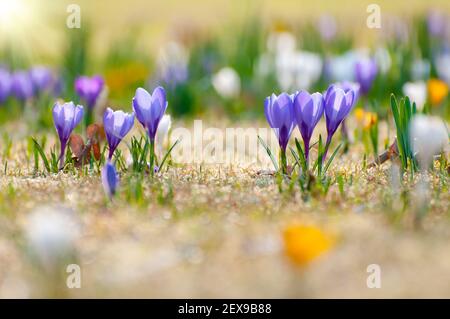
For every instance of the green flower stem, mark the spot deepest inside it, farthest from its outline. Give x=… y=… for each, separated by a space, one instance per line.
x=152 y=156
x=283 y=161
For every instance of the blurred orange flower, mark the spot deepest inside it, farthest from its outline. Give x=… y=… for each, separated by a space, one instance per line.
x=365 y=119
x=123 y=77
x=437 y=91
x=303 y=243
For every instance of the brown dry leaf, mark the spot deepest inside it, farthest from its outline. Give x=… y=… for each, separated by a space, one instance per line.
x=95 y=132
x=81 y=153
x=76 y=144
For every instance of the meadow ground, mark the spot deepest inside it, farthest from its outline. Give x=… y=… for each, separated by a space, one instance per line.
x=220 y=231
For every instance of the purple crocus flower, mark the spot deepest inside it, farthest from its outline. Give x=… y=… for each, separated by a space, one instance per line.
x=150 y=109
x=338 y=105
x=22 y=85
x=346 y=86
x=308 y=110
x=117 y=124
x=110 y=179
x=66 y=117
x=89 y=88
x=42 y=78
x=365 y=72
x=5 y=85
x=279 y=111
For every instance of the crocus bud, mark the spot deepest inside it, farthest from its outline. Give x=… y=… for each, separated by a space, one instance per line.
x=117 y=124
x=150 y=108
x=66 y=117
x=163 y=130
x=110 y=180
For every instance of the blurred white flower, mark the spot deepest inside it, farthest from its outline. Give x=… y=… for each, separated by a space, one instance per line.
x=420 y=69
x=383 y=59
x=279 y=42
x=443 y=67
x=163 y=131
x=297 y=70
x=227 y=82
x=172 y=63
x=264 y=65
x=429 y=136
x=341 y=68
x=51 y=233
x=417 y=92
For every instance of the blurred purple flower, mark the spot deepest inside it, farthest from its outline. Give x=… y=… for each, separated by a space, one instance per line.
x=308 y=110
x=150 y=109
x=117 y=124
x=172 y=64
x=89 y=88
x=66 y=117
x=437 y=23
x=327 y=27
x=279 y=111
x=5 y=84
x=110 y=179
x=22 y=85
x=42 y=78
x=365 y=72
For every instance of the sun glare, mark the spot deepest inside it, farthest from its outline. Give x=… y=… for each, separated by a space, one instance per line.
x=14 y=15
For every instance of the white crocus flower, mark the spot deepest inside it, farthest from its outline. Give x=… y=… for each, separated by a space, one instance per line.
x=417 y=92
x=227 y=83
x=163 y=131
x=429 y=137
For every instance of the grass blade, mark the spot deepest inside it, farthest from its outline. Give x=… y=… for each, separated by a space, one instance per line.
x=269 y=152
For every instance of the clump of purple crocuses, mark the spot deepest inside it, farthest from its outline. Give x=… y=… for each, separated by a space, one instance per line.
x=302 y=109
